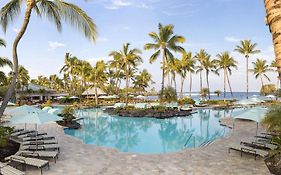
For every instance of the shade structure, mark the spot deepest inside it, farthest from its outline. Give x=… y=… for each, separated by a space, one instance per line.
x=256 y=114
x=113 y=96
x=23 y=110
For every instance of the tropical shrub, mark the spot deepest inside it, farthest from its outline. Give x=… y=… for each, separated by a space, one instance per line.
x=3 y=90
x=168 y=95
x=159 y=108
x=48 y=103
x=217 y=102
x=5 y=133
x=204 y=92
x=278 y=93
x=218 y=93
x=272 y=121
x=186 y=100
x=268 y=89
x=68 y=114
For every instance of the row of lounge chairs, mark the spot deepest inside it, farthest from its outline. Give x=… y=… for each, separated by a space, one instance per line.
x=259 y=146
x=34 y=147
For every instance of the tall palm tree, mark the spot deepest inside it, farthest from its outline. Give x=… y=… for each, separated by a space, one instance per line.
x=247 y=48
x=55 y=11
x=116 y=65
x=273 y=64
x=164 y=43
x=209 y=65
x=129 y=58
x=260 y=69
x=273 y=11
x=226 y=63
x=98 y=77
x=201 y=56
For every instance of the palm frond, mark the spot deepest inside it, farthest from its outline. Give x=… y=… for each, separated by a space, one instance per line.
x=154 y=56
x=51 y=11
x=9 y=12
x=2 y=42
x=149 y=46
x=75 y=16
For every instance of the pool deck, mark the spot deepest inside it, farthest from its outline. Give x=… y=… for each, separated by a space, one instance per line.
x=77 y=158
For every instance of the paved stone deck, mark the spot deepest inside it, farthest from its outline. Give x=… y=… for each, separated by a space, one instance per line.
x=77 y=158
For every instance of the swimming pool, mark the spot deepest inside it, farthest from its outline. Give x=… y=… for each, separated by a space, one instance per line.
x=148 y=135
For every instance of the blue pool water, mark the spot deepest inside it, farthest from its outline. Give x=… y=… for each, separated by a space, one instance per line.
x=148 y=135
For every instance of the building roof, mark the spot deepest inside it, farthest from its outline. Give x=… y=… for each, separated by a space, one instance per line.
x=91 y=91
x=35 y=87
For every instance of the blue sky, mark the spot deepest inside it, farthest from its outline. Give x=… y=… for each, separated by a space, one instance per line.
x=214 y=25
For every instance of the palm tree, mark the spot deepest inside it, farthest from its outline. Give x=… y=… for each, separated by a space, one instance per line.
x=55 y=11
x=71 y=66
x=226 y=62
x=129 y=58
x=84 y=69
x=98 y=77
x=4 y=62
x=210 y=66
x=201 y=56
x=247 y=48
x=273 y=11
x=260 y=69
x=164 y=43
x=274 y=65
x=116 y=65
x=142 y=80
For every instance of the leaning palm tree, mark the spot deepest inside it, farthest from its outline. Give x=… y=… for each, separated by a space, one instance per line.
x=164 y=43
x=247 y=48
x=209 y=65
x=55 y=11
x=226 y=62
x=201 y=56
x=273 y=11
x=128 y=58
x=260 y=69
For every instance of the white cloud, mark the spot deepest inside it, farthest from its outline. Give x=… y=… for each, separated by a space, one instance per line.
x=231 y=39
x=117 y=4
x=55 y=45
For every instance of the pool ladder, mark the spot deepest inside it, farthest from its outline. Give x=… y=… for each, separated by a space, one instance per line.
x=188 y=139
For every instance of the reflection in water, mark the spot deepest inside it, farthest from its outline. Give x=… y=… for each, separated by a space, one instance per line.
x=148 y=135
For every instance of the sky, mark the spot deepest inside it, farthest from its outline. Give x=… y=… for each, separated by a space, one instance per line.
x=213 y=25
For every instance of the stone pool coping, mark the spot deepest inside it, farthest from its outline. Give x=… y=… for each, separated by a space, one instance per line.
x=77 y=158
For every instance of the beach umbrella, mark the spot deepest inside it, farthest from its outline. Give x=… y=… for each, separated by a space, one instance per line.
x=140 y=97
x=60 y=97
x=270 y=96
x=23 y=110
x=34 y=118
x=55 y=111
x=256 y=114
x=103 y=97
x=73 y=97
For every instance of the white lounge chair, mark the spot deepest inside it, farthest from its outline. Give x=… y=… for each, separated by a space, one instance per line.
x=40 y=142
x=8 y=170
x=259 y=144
x=43 y=137
x=40 y=147
x=38 y=163
x=249 y=150
x=40 y=154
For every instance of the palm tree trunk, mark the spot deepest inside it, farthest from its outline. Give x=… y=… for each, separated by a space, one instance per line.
x=190 y=84
x=127 y=83
x=201 y=83
x=262 y=85
x=247 y=76
x=273 y=11
x=96 y=90
x=181 y=91
x=224 y=83
x=11 y=89
x=227 y=77
x=207 y=78
x=175 y=83
x=163 y=72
